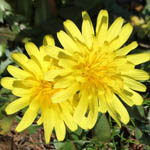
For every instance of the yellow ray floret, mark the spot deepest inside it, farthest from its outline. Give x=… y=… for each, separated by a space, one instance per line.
x=34 y=91
x=96 y=67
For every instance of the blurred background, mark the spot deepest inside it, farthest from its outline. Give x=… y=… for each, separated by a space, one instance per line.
x=29 y=20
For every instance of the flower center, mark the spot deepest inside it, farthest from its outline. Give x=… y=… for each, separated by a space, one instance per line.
x=98 y=69
x=46 y=88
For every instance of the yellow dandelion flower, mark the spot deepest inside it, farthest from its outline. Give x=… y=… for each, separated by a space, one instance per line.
x=96 y=67
x=29 y=84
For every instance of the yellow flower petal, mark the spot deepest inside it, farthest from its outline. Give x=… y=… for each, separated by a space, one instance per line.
x=122 y=37
x=114 y=29
x=83 y=124
x=51 y=51
x=82 y=107
x=40 y=121
x=112 y=111
x=66 y=41
x=125 y=50
x=50 y=75
x=126 y=67
x=22 y=91
x=65 y=94
x=60 y=129
x=93 y=113
x=133 y=84
x=35 y=69
x=7 y=82
x=65 y=82
x=102 y=20
x=68 y=120
x=29 y=115
x=32 y=50
x=73 y=30
x=124 y=95
x=136 y=74
x=18 y=57
x=102 y=26
x=48 y=123
x=48 y=40
x=28 y=65
x=35 y=54
x=66 y=63
x=130 y=97
x=27 y=120
x=87 y=29
x=102 y=104
x=135 y=97
x=137 y=59
x=117 y=107
x=28 y=83
x=17 y=105
x=17 y=72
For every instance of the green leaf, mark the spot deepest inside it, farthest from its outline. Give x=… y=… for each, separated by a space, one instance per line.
x=4 y=65
x=4 y=5
x=2 y=49
x=147 y=147
x=102 y=129
x=148 y=116
x=32 y=129
x=6 y=123
x=141 y=111
x=138 y=133
x=64 y=146
x=145 y=139
x=137 y=113
x=146 y=9
x=1 y=15
x=78 y=131
x=145 y=128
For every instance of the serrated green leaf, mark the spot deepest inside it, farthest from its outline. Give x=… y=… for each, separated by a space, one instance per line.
x=102 y=129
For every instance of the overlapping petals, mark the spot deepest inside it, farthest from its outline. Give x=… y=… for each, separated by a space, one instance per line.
x=97 y=67
x=34 y=91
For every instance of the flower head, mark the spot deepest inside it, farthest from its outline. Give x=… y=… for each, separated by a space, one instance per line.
x=96 y=67
x=29 y=84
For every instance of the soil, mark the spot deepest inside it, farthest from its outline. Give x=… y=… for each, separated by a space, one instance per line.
x=24 y=141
